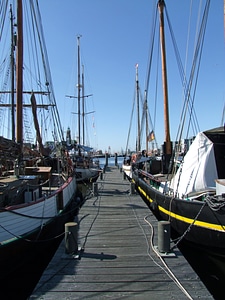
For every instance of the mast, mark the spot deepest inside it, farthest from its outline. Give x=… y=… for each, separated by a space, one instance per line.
x=12 y=76
x=138 y=146
x=161 y=5
x=78 y=85
x=19 y=73
x=167 y=143
x=83 y=113
x=146 y=121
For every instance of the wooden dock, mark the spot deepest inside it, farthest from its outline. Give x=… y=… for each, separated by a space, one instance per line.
x=117 y=260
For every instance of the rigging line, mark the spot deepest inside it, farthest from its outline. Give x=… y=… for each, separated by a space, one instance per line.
x=32 y=47
x=202 y=34
x=156 y=89
x=3 y=11
x=188 y=38
x=154 y=19
x=131 y=119
x=35 y=24
x=49 y=85
x=198 y=53
x=149 y=66
x=182 y=75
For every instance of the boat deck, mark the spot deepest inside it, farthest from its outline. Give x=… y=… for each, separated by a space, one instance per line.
x=117 y=260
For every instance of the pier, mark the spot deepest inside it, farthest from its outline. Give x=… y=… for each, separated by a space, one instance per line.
x=117 y=254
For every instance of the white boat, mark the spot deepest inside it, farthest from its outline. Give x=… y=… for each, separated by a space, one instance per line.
x=38 y=187
x=82 y=155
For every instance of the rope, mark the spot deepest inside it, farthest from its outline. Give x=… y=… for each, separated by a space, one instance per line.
x=95 y=218
x=213 y=203
x=166 y=269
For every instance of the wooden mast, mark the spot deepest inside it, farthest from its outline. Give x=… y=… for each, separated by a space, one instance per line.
x=78 y=85
x=12 y=76
x=19 y=75
x=138 y=146
x=146 y=121
x=167 y=143
x=83 y=114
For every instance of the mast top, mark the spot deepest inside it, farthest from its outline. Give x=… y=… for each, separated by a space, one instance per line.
x=136 y=67
x=161 y=3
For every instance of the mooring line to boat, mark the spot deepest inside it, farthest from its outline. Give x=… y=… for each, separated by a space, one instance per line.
x=92 y=223
x=98 y=198
x=167 y=270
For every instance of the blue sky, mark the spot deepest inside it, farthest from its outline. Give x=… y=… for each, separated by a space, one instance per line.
x=115 y=36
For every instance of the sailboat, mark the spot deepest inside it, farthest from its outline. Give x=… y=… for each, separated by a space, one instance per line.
x=130 y=158
x=38 y=187
x=87 y=171
x=143 y=121
x=189 y=192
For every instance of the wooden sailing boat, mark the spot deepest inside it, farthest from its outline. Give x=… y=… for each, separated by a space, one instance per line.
x=81 y=155
x=38 y=189
x=189 y=195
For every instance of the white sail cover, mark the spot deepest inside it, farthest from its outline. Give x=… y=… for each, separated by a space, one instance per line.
x=198 y=171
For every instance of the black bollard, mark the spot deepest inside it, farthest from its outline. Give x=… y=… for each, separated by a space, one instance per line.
x=71 y=236
x=164 y=236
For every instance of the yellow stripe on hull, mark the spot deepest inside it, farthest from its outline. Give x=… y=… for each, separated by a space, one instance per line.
x=184 y=219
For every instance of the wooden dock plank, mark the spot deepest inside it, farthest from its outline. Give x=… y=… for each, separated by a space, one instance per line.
x=116 y=260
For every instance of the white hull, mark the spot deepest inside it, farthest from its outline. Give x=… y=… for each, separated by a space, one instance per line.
x=21 y=220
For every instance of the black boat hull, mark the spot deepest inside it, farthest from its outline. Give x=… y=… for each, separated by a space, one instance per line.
x=193 y=221
x=23 y=260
